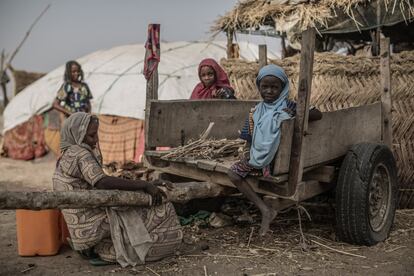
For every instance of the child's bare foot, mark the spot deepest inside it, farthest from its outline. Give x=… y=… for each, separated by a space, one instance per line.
x=267 y=218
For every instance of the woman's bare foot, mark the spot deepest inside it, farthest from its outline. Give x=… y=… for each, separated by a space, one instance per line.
x=267 y=218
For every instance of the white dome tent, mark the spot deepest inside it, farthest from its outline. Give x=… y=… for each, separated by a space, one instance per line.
x=116 y=80
x=119 y=90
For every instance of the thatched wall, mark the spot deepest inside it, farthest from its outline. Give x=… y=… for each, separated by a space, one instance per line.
x=340 y=82
x=24 y=78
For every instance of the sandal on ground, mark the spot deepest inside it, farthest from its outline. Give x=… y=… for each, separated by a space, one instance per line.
x=99 y=262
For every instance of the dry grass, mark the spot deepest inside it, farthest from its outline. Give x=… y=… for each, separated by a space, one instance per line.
x=254 y=13
x=283 y=246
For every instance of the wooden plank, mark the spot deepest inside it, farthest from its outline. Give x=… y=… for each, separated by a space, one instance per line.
x=306 y=190
x=172 y=123
x=262 y=55
x=156 y=153
x=324 y=174
x=151 y=91
x=331 y=137
x=224 y=166
x=206 y=165
x=282 y=156
x=302 y=109
x=386 y=92
x=183 y=170
x=191 y=162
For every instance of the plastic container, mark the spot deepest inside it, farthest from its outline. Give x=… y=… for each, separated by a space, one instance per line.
x=64 y=232
x=38 y=232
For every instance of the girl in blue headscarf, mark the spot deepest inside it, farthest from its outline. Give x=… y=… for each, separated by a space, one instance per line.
x=262 y=133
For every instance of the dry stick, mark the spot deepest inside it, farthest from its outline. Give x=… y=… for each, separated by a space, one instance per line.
x=207 y=132
x=266 y=249
x=27 y=269
x=339 y=251
x=3 y=77
x=401 y=231
x=395 y=249
x=225 y=256
x=302 y=236
x=250 y=237
x=26 y=36
x=205 y=271
x=152 y=271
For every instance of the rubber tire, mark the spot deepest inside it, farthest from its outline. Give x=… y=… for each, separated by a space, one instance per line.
x=352 y=191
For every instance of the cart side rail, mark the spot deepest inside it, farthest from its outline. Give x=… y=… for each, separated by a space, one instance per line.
x=173 y=123
x=331 y=137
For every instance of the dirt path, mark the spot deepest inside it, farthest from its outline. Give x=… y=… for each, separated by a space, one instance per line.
x=230 y=251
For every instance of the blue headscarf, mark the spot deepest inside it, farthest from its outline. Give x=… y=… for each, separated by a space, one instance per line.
x=267 y=119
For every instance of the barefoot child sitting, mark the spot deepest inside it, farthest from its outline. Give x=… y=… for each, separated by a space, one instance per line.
x=262 y=133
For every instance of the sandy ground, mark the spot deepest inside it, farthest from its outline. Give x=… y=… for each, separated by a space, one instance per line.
x=232 y=250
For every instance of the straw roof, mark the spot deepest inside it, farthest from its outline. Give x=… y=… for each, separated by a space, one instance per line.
x=325 y=15
x=345 y=81
x=24 y=79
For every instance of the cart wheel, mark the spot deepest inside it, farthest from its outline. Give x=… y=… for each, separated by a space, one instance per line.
x=366 y=194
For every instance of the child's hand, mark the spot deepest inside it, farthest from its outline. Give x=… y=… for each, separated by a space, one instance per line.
x=289 y=111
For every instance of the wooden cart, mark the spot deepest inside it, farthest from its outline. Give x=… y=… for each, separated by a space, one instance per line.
x=348 y=150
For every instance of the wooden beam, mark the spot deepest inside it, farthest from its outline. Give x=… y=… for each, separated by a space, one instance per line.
x=324 y=174
x=305 y=190
x=302 y=109
x=236 y=50
x=217 y=177
x=386 y=100
x=3 y=79
x=262 y=55
x=230 y=34
x=180 y=193
x=152 y=88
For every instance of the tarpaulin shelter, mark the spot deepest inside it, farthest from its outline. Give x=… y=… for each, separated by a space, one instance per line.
x=118 y=87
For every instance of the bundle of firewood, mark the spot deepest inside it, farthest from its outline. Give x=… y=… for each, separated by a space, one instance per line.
x=206 y=149
x=129 y=170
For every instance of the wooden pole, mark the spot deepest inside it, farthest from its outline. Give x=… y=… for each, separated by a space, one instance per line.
x=262 y=55
x=236 y=50
x=230 y=34
x=386 y=92
x=151 y=91
x=302 y=109
x=26 y=35
x=180 y=193
x=3 y=79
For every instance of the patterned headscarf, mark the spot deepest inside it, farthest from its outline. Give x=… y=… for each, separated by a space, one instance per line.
x=73 y=132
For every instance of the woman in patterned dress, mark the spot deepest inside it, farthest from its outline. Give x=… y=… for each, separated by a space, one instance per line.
x=127 y=235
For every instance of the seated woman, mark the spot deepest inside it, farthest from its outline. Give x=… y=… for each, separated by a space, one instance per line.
x=214 y=83
x=127 y=235
x=262 y=133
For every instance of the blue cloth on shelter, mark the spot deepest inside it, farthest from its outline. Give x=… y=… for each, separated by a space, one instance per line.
x=267 y=119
